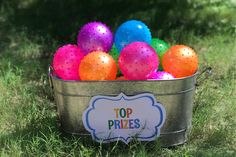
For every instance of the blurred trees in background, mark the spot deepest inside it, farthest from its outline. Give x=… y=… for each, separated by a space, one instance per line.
x=61 y=20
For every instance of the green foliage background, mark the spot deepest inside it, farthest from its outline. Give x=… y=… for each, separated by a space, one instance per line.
x=31 y=31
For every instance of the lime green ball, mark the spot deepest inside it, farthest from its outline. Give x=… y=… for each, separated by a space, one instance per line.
x=160 y=47
x=115 y=55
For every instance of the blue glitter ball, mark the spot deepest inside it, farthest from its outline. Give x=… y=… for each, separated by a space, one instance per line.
x=132 y=31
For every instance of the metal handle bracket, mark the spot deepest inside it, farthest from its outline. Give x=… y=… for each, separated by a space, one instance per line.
x=207 y=71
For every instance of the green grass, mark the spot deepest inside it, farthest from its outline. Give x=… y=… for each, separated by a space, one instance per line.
x=28 y=118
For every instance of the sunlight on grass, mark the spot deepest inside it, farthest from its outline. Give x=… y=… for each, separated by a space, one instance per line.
x=28 y=123
x=31 y=124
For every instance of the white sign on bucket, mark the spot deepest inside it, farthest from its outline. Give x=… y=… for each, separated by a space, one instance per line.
x=124 y=118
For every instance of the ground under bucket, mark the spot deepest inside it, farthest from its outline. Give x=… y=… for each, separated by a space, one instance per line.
x=72 y=98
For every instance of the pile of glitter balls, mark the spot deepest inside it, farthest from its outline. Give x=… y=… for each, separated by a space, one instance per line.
x=132 y=54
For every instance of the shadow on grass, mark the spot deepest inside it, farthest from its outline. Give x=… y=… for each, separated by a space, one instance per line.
x=215 y=145
x=62 y=19
x=59 y=21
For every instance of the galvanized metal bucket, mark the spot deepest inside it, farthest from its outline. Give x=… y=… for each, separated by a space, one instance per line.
x=72 y=98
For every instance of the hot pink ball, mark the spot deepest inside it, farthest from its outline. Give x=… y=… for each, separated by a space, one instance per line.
x=95 y=36
x=66 y=62
x=137 y=61
x=160 y=75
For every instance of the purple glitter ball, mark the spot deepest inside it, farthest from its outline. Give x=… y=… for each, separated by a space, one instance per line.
x=160 y=75
x=95 y=36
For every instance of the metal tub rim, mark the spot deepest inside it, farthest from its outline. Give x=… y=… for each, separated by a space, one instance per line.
x=93 y=81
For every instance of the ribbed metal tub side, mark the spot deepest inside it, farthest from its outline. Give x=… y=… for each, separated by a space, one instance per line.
x=72 y=98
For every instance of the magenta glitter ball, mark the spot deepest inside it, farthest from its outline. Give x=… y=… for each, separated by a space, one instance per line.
x=160 y=75
x=95 y=36
x=66 y=62
x=137 y=61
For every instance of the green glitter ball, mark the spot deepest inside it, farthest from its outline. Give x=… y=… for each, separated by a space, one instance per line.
x=115 y=55
x=160 y=47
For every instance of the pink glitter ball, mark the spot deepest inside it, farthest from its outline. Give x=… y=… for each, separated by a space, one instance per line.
x=160 y=75
x=95 y=36
x=138 y=60
x=66 y=62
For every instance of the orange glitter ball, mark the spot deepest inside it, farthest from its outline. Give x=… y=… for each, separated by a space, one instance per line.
x=121 y=78
x=180 y=61
x=97 y=65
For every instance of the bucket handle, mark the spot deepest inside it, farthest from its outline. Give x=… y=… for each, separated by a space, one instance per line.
x=50 y=73
x=200 y=78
